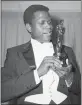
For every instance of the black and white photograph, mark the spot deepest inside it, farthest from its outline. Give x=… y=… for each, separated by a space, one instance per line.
x=41 y=59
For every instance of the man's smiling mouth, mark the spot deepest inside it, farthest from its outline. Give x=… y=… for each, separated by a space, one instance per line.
x=50 y=32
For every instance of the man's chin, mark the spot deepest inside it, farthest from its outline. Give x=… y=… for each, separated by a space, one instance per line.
x=47 y=40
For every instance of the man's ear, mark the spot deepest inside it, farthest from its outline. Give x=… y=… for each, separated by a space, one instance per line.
x=28 y=27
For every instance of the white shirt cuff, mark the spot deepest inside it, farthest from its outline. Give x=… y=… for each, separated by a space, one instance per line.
x=68 y=84
x=37 y=79
x=69 y=80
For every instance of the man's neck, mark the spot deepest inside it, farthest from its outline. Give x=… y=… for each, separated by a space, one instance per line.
x=40 y=41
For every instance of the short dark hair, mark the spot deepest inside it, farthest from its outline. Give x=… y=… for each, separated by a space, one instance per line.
x=28 y=14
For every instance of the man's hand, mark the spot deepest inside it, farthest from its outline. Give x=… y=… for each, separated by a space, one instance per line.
x=47 y=63
x=61 y=71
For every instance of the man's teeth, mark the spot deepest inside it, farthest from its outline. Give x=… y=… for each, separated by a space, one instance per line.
x=48 y=33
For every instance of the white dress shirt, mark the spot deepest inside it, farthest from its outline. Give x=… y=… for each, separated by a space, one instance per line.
x=50 y=80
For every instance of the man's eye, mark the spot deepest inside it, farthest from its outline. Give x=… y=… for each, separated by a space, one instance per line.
x=42 y=23
x=49 y=22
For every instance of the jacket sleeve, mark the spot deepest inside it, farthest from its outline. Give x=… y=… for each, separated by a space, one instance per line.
x=16 y=76
x=76 y=84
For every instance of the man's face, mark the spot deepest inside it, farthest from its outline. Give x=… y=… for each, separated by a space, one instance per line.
x=41 y=27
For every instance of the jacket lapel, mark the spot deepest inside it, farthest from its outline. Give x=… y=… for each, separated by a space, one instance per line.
x=29 y=56
x=71 y=57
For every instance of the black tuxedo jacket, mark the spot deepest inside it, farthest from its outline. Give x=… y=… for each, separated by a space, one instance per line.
x=17 y=78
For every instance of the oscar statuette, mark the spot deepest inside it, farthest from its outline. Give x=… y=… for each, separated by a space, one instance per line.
x=60 y=30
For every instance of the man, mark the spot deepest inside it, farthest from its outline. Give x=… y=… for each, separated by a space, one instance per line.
x=24 y=66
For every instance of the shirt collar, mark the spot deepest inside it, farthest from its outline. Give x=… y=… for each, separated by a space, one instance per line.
x=35 y=42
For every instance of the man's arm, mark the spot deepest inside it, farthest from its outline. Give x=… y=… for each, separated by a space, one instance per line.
x=72 y=75
x=76 y=84
x=17 y=86
x=16 y=77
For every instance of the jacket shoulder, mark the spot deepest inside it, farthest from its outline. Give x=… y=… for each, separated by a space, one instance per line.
x=67 y=48
x=18 y=47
